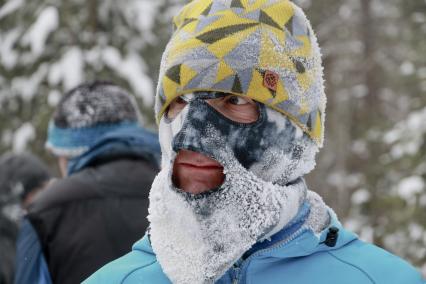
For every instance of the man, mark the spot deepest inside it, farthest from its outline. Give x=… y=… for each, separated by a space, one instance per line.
x=22 y=176
x=94 y=214
x=241 y=104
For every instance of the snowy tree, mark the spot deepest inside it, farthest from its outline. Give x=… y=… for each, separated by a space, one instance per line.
x=376 y=84
x=372 y=169
x=49 y=46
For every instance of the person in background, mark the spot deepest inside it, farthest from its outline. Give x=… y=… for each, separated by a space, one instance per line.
x=22 y=176
x=97 y=211
x=241 y=106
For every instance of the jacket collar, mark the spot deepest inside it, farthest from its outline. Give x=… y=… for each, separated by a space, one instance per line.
x=308 y=242
x=292 y=228
x=305 y=242
x=135 y=142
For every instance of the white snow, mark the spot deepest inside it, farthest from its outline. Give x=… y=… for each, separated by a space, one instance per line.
x=142 y=14
x=23 y=136
x=27 y=87
x=345 y=12
x=69 y=69
x=132 y=68
x=10 y=7
x=407 y=68
x=396 y=240
x=37 y=34
x=408 y=135
x=359 y=91
x=340 y=179
x=409 y=187
x=72 y=68
x=416 y=231
x=53 y=98
x=359 y=147
x=367 y=234
x=360 y=196
x=8 y=54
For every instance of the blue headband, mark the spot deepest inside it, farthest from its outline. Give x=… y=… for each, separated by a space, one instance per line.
x=71 y=142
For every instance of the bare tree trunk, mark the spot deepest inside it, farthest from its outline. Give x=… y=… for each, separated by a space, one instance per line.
x=368 y=34
x=372 y=112
x=92 y=20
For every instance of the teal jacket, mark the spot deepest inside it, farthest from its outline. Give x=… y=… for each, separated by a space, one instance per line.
x=306 y=259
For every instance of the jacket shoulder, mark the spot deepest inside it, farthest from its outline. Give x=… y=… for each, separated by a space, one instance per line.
x=138 y=266
x=60 y=192
x=377 y=264
x=115 y=179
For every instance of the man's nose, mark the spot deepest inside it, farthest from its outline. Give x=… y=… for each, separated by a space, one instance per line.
x=193 y=128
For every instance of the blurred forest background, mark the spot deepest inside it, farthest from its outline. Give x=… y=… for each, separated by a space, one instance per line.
x=372 y=169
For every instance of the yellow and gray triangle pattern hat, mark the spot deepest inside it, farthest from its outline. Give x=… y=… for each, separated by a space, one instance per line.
x=262 y=49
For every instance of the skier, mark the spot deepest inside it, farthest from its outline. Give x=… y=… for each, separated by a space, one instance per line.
x=98 y=211
x=241 y=106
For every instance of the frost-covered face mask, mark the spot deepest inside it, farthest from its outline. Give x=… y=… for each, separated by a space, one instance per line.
x=198 y=237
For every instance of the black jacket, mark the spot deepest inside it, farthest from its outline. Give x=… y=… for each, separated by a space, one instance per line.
x=92 y=217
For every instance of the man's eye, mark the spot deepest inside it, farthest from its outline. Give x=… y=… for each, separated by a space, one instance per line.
x=175 y=107
x=237 y=100
x=179 y=100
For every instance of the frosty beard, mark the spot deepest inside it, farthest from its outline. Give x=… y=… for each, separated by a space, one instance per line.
x=197 y=238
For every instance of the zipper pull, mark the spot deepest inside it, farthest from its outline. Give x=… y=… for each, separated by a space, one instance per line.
x=331 y=238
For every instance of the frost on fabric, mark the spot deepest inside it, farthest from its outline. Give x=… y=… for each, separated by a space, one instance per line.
x=319 y=216
x=211 y=231
x=89 y=107
x=281 y=164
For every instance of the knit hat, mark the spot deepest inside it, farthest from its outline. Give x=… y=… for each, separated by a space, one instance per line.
x=262 y=49
x=87 y=112
x=20 y=174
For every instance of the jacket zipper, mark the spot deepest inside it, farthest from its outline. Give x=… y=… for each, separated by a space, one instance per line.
x=237 y=275
x=236 y=271
x=241 y=265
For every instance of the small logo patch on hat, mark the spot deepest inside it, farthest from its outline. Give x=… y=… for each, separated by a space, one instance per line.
x=270 y=80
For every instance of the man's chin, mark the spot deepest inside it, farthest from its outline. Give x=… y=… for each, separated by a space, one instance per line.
x=196 y=181
x=195 y=187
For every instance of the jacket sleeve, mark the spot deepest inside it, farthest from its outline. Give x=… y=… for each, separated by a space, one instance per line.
x=31 y=266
